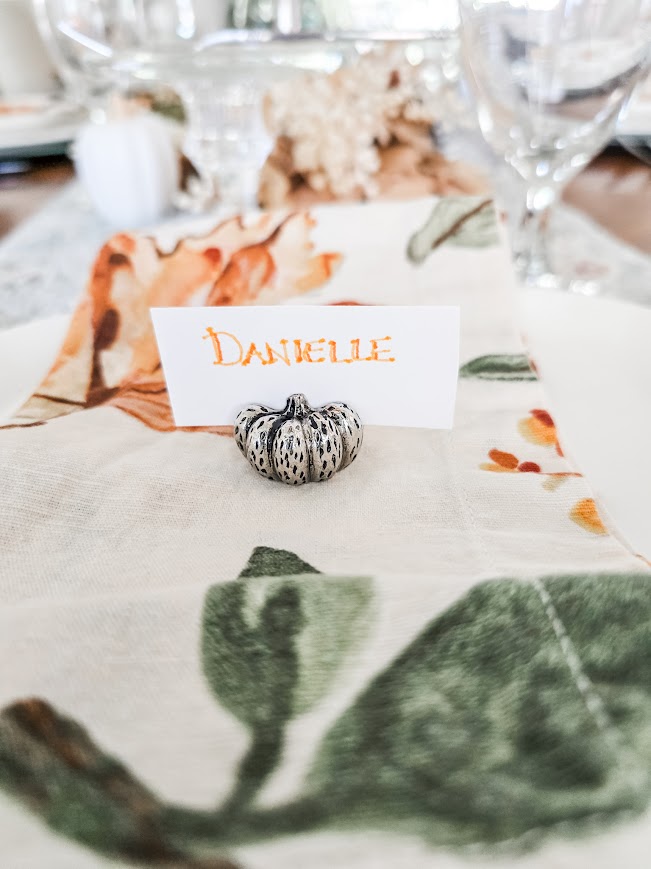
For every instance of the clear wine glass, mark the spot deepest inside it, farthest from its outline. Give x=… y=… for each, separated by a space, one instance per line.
x=549 y=78
x=222 y=71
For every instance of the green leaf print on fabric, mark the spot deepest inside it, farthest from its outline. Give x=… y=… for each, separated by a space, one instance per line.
x=272 y=645
x=467 y=221
x=265 y=561
x=499 y=367
x=523 y=706
x=51 y=764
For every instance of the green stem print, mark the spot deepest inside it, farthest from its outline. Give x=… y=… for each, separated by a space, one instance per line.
x=502 y=366
x=54 y=768
x=523 y=710
x=259 y=762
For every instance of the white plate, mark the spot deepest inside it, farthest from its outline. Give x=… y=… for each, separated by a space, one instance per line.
x=594 y=356
x=31 y=110
x=39 y=137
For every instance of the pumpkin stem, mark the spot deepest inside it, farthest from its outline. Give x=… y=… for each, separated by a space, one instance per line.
x=297 y=406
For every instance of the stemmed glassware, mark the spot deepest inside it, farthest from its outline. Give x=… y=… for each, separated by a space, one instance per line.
x=221 y=67
x=549 y=78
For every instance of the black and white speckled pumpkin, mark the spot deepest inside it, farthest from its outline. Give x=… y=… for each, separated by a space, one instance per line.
x=299 y=444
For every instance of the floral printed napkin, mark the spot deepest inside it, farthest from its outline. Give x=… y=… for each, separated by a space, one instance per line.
x=440 y=657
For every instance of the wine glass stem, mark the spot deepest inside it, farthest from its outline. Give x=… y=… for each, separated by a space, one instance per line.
x=225 y=140
x=531 y=235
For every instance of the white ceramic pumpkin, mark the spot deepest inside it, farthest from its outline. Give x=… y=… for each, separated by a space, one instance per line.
x=130 y=168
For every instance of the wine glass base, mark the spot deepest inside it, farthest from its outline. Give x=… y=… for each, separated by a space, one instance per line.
x=576 y=256
x=560 y=282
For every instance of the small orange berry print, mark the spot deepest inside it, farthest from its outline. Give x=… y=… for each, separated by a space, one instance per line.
x=529 y=467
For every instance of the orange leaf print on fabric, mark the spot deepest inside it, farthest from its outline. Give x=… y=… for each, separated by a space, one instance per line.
x=585 y=514
x=71 y=374
x=146 y=399
x=500 y=461
x=539 y=428
x=248 y=271
x=503 y=462
x=506 y=460
x=110 y=355
x=282 y=264
x=321 y=269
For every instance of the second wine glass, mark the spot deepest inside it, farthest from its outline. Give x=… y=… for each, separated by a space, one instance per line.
x=549 y=78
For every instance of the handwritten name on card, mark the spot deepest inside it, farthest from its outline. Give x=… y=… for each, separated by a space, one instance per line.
x=395 y=365
x=301 y=351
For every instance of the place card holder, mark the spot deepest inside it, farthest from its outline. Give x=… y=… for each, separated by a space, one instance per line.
x=299 y=444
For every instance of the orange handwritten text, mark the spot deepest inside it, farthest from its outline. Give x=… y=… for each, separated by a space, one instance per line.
x=376 y=350
x=228 y=350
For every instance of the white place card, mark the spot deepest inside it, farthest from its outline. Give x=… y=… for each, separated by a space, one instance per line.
x=395 y=365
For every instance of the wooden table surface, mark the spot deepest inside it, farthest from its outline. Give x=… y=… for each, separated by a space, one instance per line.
x=615 y=190
x=21 y=194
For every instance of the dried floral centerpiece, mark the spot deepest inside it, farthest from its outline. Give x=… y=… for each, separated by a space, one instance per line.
x=362 y=132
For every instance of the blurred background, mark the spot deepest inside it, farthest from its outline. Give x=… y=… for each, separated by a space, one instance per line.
x=166 y=107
